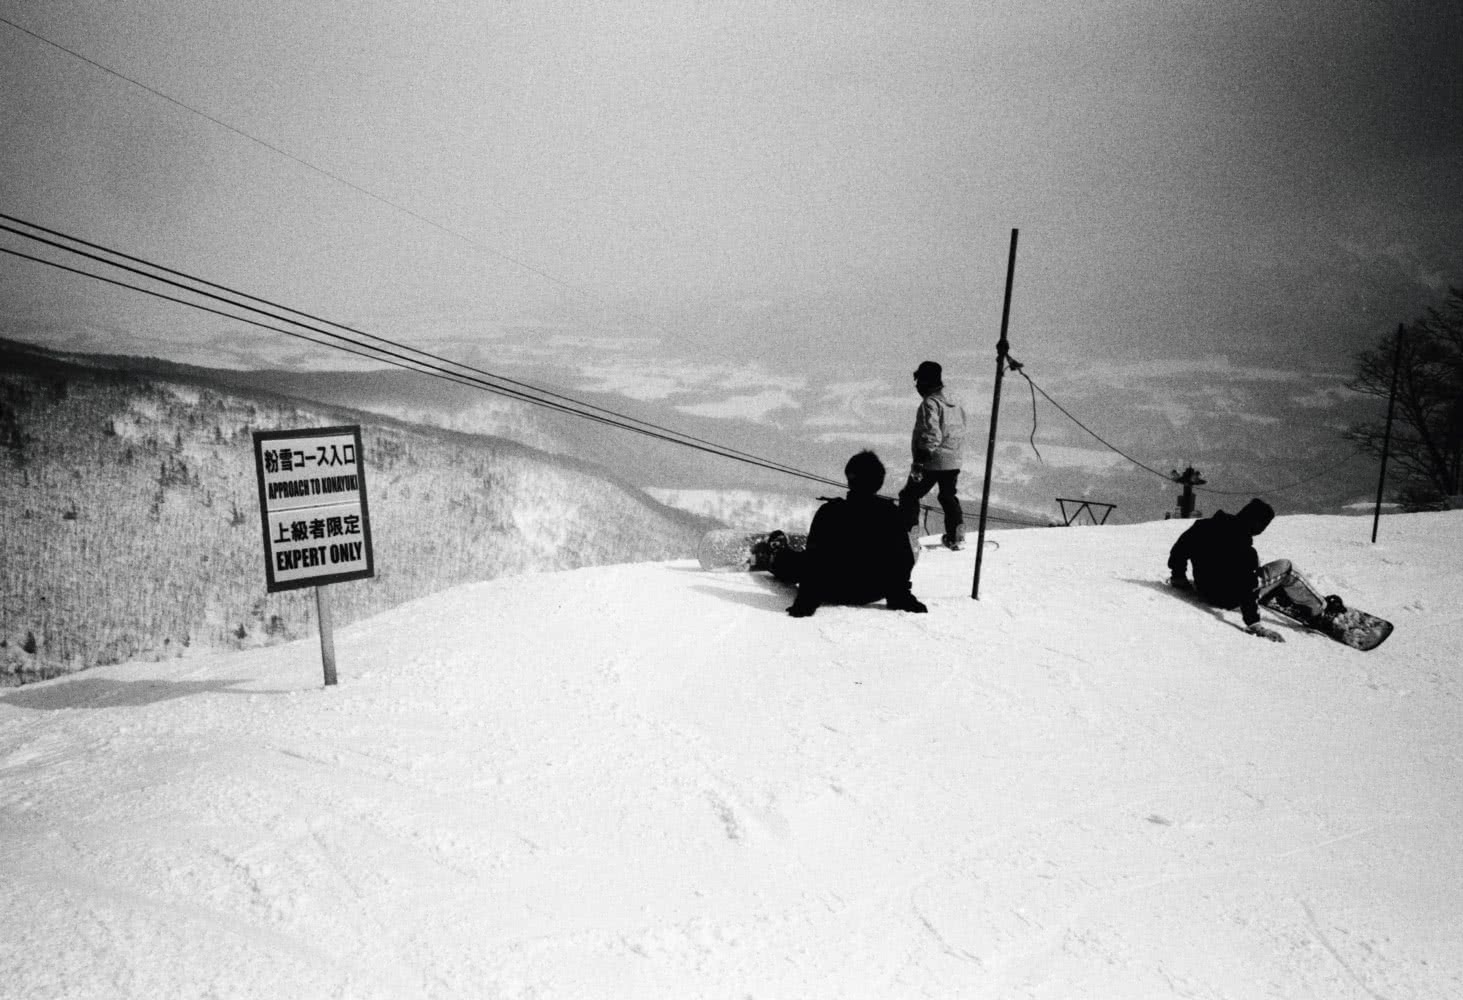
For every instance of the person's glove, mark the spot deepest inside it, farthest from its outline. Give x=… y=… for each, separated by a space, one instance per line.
x=916 y=472
x=1180 y=583
x=1265 y=633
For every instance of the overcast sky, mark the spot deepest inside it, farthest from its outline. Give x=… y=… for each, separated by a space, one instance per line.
x=771 y=196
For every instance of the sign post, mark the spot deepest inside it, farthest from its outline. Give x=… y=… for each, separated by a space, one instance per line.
x=327 y=635
x=312 y=505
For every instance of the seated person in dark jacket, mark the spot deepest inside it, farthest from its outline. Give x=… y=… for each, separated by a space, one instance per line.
x=1227 y=570
x=858 y=548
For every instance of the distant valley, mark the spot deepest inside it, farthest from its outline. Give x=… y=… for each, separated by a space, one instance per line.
x=129 y=515
x=131 y=521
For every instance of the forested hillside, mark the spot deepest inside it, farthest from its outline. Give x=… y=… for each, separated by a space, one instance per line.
x=129 y=516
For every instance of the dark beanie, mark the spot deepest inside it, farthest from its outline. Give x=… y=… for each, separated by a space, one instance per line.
x=1256 y=516
x=929 y=372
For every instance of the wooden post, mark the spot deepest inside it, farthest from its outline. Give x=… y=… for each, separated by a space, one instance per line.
x=1387 y=436
x=1002 y=348
x=327 y=635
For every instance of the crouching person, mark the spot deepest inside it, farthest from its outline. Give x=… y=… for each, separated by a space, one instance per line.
x=1227 y=570
x=858 y=549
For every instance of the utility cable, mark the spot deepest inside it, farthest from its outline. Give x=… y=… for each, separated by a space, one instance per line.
x=390 y=357
x=361 y=333
x=381 y=354
x=194 y=305
x=531 y=268
x=704 y=445
x=1110 y=446
x=1290 y=486
x=362 y=351
x=1017 y=367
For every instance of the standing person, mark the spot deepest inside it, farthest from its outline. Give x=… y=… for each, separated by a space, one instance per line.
x=1227 y=570
x=856 y=552
x=939 y=437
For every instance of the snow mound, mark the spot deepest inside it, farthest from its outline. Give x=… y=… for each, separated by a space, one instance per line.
x=648 y=781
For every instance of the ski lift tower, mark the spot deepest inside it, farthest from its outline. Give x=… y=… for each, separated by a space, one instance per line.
x=1188 y=479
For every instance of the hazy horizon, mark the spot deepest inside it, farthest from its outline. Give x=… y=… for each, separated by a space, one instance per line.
x=754 y=213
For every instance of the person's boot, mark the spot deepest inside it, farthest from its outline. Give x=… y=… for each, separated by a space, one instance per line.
x=905 y=602
x=954 y=540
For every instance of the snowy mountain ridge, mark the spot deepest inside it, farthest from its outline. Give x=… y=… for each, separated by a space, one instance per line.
x=130 y=525
x=648 y=781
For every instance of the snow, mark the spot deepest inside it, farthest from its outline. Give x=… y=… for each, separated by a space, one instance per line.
x=647 y=781
x=753 y=510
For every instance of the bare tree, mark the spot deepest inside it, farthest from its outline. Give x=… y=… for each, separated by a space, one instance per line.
x=1427 y=435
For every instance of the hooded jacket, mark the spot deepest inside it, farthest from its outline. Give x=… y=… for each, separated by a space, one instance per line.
x=939 y=433
x=1222 y=551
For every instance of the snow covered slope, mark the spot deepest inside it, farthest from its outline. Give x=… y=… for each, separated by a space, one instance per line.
x=647 y=781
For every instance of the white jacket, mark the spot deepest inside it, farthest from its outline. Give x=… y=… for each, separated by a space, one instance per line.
x=939 y=433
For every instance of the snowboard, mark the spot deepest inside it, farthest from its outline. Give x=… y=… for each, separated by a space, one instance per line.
x=731 y=550
x=1353 y=627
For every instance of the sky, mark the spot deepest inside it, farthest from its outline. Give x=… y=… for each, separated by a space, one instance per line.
x=1080 y=786
x=757 y=205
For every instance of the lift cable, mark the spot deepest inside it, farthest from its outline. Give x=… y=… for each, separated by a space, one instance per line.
x=715 y=449
x=430 y=366
x=391 y=357
x=531 y=268
x=361 y=333
x=1148 y=468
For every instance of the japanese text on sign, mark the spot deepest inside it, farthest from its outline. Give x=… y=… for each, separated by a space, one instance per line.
x=312 y=499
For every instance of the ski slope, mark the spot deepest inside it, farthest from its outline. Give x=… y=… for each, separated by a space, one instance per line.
x=647 y=781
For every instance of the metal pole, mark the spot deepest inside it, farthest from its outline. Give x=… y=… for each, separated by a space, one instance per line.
x=1002 y=348
x=327 y=636
x=1387 y=436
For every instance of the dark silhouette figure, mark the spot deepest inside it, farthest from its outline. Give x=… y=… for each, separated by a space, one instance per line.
x=858 y=550
x=1227 y=570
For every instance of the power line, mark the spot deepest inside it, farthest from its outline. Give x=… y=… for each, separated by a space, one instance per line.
x=531 y=268
x=427 y=363
x=1089 y=430
x=708 y=446
x=185 y=302
x=1148 y=468
x=392 y=357
x=364 y=353
x=1290 y=486
x=335 y=177
x=353 y=186
x=359 y=333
